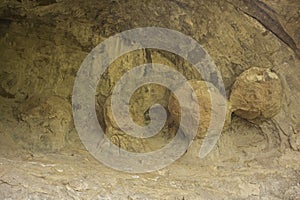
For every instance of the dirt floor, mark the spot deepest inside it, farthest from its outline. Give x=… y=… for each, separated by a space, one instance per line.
x=243 y=165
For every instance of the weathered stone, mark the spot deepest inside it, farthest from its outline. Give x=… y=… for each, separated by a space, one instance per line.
x=43 y=43
x=51 y=120
x=256 y=93
x=139 y=108
x=203 y=91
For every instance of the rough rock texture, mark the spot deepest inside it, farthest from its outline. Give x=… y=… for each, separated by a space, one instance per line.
x=130 y=143
x=51 y=120
x=42 y=44
x=140 y=102
x=256 y=93
x=203 y=91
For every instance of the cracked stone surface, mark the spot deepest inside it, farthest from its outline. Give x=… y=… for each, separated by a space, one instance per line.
x=42 y=45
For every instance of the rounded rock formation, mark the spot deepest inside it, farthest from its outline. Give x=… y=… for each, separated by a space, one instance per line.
x=256 y=94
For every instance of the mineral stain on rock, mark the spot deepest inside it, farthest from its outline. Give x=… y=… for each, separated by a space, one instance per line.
x=259 y=11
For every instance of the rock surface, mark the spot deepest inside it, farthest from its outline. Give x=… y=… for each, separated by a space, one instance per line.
x=43 y=43
x=256 y=93
x=204 y=92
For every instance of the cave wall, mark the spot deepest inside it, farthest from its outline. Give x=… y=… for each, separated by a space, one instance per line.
x=42 y=45
x=44 y=42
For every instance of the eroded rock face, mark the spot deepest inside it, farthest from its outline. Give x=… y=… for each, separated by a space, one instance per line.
x=256 y=94
x=43 y=43
x=116 y=135
x=139 y=113
x=42 y=46
x=203 y=91
x=51 y=120
x=141 y=100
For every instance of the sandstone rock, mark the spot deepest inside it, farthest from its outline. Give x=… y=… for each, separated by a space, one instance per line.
x=203 y=92
x=139 y=114
x=51 y=120
x=42 y=45
x=256 y=93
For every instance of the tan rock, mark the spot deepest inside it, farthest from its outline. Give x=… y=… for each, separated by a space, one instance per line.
x=51 y=120
x=144 y=97
x=203 y=92
x=256 y=93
